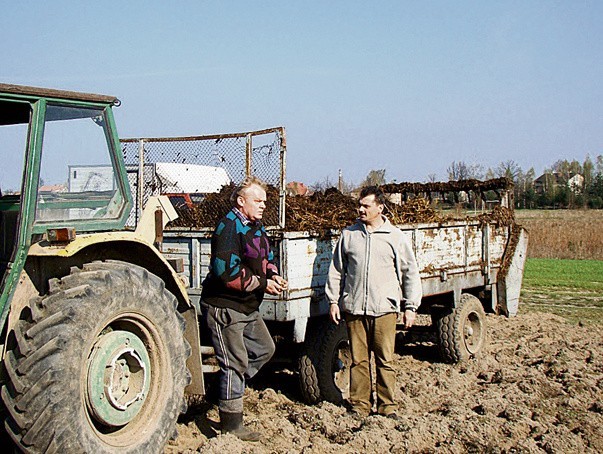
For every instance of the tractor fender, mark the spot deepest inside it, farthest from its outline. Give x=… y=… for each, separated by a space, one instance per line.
x=47 y=261
x=126 y=246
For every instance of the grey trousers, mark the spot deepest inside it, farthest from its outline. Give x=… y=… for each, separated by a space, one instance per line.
x=242 y=344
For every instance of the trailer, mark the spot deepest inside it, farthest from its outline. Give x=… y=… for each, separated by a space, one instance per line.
x=468 y=267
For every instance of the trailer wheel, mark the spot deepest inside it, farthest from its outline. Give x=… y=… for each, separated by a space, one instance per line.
x=97 y=365
x=324 y=364
x=462 y=331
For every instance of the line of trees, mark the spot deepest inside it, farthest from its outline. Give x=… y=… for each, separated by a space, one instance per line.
x=552 y=189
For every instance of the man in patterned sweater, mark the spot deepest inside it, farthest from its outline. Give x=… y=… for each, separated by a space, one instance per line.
x=241 y=270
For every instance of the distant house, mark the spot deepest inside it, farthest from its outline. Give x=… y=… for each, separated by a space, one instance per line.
x=550 y=181
x=53 y=188
x=297 y=188
x=576 y=183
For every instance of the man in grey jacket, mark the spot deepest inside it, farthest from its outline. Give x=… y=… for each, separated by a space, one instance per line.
x=372 y=277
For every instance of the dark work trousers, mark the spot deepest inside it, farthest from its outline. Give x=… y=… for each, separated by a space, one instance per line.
x=242 y=344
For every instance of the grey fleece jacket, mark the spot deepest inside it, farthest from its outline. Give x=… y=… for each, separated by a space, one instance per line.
x=373 y=273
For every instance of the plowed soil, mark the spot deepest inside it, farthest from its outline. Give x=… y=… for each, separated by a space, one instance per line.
x=537 y=388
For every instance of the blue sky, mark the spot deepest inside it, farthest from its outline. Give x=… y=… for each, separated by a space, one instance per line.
x=405 y=86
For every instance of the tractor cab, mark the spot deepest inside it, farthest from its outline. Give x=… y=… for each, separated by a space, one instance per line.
x=61 y=171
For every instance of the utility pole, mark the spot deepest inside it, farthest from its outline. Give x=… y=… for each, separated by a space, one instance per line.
x=340 y=182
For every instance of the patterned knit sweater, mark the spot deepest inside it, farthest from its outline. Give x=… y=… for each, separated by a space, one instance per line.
x=240 y=265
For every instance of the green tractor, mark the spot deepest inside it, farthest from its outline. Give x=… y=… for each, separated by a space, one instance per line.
x=98 y=333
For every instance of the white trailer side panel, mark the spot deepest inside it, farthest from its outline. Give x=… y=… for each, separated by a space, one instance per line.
x=451 y=258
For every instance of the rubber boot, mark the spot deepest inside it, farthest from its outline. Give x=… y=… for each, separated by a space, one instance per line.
x=233 y=423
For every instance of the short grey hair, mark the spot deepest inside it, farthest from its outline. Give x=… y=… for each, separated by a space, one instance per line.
x=242 y=187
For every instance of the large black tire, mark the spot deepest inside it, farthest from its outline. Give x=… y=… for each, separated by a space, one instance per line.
x=462 y=330
x=97 y=365
x=324 y=363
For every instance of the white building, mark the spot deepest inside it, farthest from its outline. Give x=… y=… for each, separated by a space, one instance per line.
x=189 y=178
x=576 y=183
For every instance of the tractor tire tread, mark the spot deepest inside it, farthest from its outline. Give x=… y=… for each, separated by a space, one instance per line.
x=46 y=342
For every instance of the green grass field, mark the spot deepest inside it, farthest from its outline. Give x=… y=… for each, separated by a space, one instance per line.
x=572 y=289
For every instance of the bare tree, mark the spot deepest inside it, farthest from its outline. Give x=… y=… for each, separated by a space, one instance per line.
x=344 y=186
x=462 y=171
x=588 y=171
x=323 y=184
x=599 y=165
x=567 y=169
x=347 y=187
x=374 y=178
x=509 y=169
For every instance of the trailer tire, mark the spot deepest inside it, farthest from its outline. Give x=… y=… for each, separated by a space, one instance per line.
x=324 y=365
x=306 y=369
x=462 y=330
x=98 y=364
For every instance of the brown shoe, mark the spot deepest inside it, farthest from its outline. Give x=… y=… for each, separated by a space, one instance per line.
x=358 y=413
x=393 y=416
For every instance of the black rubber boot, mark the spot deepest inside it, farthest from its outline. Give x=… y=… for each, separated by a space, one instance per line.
x=233 y=423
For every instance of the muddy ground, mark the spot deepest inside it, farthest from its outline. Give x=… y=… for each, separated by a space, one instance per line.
x=538 y=388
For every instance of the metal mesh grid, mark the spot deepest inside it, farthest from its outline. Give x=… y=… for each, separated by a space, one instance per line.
x=192 y=169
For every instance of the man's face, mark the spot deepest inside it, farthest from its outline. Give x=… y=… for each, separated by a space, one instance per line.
x=252 y=202
x=369 y=210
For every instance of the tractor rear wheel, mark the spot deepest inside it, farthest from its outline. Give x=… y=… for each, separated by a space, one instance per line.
x=98 y=364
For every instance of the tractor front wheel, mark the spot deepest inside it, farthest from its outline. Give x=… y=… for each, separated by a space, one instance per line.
x=98 y=364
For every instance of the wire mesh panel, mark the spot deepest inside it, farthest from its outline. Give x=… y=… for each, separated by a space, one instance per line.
x=199 y=173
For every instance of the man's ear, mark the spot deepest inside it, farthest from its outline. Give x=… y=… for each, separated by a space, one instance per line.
x=240 y=201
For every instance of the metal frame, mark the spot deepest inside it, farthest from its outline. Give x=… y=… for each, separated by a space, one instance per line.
x=248 y=135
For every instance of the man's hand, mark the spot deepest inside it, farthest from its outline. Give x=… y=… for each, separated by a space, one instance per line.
x=276 y=285
x=409 y=318
x=280 y=281
x=334 y=313
x=272 y=287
